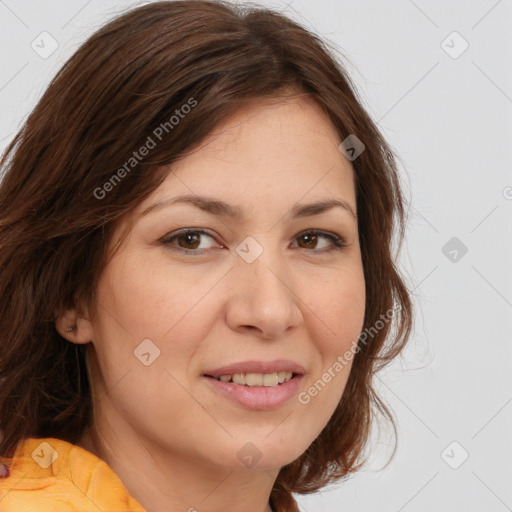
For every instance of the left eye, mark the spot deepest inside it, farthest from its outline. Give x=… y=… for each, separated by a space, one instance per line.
x=190 y=240
x=337 y=242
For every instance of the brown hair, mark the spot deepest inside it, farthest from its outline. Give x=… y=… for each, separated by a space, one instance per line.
x=120 y=86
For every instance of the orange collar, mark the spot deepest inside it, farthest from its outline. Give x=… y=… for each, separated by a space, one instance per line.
x=53 y=475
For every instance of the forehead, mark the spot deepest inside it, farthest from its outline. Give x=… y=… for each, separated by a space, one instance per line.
x=270 y=125
x=290 y=146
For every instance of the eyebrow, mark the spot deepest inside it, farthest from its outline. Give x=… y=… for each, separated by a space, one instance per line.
x=222 y=209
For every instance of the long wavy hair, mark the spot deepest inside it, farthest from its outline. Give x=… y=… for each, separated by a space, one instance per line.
x=123 y=83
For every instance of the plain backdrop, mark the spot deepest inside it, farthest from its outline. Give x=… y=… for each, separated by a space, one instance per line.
x=436 y=77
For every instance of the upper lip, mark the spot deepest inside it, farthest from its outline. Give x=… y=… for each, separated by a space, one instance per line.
x=280 y=365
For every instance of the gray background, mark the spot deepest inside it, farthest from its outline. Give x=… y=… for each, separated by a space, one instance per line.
x=449 y=117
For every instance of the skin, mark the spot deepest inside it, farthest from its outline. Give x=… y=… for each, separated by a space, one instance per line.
x=171 y=439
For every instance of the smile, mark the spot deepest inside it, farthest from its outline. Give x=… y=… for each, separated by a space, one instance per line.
x=257 y=379
x=255 y=394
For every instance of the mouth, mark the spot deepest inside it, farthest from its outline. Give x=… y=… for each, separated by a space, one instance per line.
x=252 y=380
x=256 y=385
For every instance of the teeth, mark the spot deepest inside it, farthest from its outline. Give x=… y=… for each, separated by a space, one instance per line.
x=257 y=379
x=239 y=378
x=270 y=379
x=254 y=379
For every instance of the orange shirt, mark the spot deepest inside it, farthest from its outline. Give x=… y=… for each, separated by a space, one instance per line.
x=51 y=475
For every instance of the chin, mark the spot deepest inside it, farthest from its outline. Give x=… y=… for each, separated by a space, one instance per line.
x=262 y=454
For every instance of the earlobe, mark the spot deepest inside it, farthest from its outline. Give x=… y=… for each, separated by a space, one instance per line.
x=73 y=327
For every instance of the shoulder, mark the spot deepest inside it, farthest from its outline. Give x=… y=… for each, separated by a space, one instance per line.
x=53 y=475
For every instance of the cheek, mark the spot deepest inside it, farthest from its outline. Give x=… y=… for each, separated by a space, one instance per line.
x=142 y=300
x=336 y=315
x=147 y=298
x=337 y=309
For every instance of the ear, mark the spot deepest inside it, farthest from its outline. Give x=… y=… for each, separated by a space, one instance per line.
x=81 y=332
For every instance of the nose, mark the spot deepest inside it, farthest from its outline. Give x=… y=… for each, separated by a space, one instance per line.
x=262 y=297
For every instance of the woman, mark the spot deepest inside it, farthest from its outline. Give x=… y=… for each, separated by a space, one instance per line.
x=196 y=225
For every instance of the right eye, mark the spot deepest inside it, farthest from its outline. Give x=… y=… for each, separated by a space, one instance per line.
x=188 y=241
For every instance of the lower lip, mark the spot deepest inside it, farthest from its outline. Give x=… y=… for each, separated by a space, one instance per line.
x=258 y=397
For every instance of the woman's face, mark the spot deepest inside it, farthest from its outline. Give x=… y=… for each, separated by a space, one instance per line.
x=253 y=289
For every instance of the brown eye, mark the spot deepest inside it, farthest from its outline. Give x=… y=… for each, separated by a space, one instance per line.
x=311 y=240
x=187 y=241
x=190 y=240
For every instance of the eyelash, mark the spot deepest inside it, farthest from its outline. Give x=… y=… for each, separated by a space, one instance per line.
x=338 y=242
